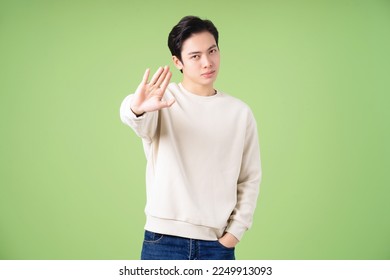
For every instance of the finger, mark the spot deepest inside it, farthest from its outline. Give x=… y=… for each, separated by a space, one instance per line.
x=166 y=104
x=146 y=76
x=166 y=81
x=156 y=76
x=162 y=76
x=170 y=102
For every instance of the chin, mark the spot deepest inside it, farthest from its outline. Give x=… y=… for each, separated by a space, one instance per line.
x=208 y=81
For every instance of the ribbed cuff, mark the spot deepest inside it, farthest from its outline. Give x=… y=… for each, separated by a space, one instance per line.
x=236 y=228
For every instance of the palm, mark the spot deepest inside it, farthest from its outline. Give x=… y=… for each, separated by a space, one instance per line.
x=148 y=96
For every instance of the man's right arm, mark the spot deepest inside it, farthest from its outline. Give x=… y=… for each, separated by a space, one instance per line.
x=145 y=125
x=140 y=110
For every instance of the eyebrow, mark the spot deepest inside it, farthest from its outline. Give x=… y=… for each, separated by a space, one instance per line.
x=198 y=52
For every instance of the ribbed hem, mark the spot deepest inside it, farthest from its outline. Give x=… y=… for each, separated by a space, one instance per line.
x=182 y=229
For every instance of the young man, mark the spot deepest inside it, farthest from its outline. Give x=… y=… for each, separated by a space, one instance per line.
x=203 y=159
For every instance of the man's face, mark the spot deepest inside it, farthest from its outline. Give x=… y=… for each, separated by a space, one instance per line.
x=200 y=59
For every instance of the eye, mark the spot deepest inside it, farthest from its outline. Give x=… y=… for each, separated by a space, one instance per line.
x=195 y=56
x=213 y=50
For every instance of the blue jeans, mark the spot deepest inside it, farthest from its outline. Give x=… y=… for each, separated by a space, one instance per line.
x=167 y=247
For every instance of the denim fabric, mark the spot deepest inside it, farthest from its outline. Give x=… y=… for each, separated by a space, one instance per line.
x=167 y=247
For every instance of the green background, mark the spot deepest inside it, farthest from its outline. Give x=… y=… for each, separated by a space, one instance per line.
x=315 y=73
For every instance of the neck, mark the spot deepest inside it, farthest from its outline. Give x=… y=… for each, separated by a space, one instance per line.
x=202 y=90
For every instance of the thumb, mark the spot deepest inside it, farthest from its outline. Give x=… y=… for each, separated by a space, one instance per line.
x=167 y=103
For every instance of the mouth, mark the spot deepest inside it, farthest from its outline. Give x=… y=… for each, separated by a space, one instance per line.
x=208 y=74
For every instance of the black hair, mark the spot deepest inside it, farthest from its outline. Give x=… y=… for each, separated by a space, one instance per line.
x=184 y=29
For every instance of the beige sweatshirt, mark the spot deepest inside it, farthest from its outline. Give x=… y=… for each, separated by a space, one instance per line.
x=203 y=164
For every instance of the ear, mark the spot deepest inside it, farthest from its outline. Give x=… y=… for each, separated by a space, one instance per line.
x=176 y=61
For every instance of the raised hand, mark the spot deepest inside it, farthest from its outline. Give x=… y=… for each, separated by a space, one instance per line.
x=148 y=96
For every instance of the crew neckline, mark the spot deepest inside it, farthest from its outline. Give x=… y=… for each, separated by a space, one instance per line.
x=199 y=97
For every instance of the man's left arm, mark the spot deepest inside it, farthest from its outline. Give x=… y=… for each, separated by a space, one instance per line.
x=248 y=185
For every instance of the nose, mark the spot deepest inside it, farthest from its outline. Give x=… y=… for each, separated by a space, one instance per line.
x=206 y=62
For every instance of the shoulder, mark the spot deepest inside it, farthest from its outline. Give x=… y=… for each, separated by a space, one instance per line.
x=240 y=108
x=172 y=90
x=236 y=102
x=173 y=87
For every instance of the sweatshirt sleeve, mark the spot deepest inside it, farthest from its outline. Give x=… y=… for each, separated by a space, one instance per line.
x=248 y=183
x=144 y=126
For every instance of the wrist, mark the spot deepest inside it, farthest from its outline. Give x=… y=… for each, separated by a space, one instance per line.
x=136 y=112
x=228 y=240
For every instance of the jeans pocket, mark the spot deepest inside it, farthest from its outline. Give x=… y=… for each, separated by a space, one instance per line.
x=223 y=246
x=152 y=237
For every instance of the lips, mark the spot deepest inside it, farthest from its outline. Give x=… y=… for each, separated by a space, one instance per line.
x=208 y=74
